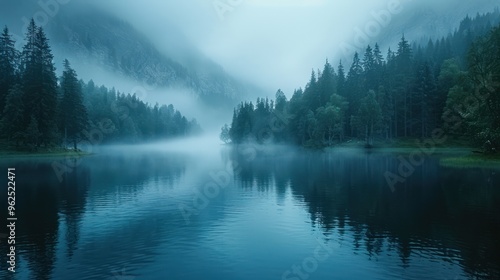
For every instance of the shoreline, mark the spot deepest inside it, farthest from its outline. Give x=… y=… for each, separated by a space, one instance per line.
x=459 y=155
x=472 y=161
x=49 y=153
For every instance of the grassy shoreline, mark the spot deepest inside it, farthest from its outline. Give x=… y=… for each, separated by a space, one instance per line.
x=472 y=161
x=451 y=153
x=45 y=153
x=408 y=146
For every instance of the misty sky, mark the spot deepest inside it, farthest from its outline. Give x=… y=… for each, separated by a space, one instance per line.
x=273 y=43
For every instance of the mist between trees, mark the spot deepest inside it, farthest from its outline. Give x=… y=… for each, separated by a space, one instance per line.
x=40 y=111
x=406 y=94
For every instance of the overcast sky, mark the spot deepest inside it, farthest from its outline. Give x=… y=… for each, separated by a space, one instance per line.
x=273 y=43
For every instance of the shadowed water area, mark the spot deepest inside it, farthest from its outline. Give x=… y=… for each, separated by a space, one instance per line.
x=249 y=213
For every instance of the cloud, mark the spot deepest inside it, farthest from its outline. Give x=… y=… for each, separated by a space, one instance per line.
x=274 y=44
x=271 y=43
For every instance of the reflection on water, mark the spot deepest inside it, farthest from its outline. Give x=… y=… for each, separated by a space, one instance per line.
x=440 y=213
x=117 y=215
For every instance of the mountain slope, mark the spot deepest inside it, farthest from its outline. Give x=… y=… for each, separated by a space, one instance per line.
x=95 y=39
x=89 y=34
x=421 y=21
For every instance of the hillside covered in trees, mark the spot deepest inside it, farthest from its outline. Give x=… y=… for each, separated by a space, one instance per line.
x=450 y=85
x=38 y=110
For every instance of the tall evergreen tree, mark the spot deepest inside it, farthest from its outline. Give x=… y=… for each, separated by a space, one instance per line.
x=424 y=100
x=370 y=69
x=40 y=84
x=354 y=88
x=311 y=92
x=404 y=55
x=280 y=101
x=341 y=80
x=326 y=84
x=378 y=57
x=484 y=71
x=73 y=115
x=408 y=93
x=11 y=124
x=32 y=134
x=391 y=56
x=8 y=64
x=369 y=59
x=224 y=134
x=368 y=117
x=298 y=110
x=379 y=67
x=402 y=99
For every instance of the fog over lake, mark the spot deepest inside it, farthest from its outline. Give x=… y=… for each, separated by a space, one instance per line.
x=226 y=213
x=250 y=139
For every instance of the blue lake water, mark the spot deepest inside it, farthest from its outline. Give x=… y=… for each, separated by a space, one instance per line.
x=247 y=213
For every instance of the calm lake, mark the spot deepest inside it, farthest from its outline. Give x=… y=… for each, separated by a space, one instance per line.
x=251 y=213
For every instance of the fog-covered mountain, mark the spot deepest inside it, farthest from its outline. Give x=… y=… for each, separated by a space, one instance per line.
x=97 y=40
x=117 y=46
x=419 y=21
x=100 y=40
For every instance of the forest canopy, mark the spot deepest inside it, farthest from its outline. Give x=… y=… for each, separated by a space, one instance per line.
x=451 y=84
x=38 y=109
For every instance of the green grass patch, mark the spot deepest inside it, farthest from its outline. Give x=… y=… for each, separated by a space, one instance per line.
x=414 y=143
x=410 y=145
x=43 y=153
x=407 y=143
x=472 y=161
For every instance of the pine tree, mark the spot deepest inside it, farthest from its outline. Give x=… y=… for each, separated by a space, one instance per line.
x=390 y=56
x=356 y=67
x=73 y=114
x=369 y=117
x=368 y=59
x=32 y=134
x=224 y=134
x=484 y=71
x=404 y=55
x=40 y=84
x=12 y=120
x=370 y=69
x=341 y=80
x=424 y=99
x=298 y=110
x=8 y=66
x=311 y=95
x=378 y=57
x=379 y=67
x=403 y=69
x=354 y=88
x=326 y=84
x=280 y=101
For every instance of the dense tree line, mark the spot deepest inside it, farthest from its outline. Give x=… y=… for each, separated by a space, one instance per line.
x=39 y=110
x=451 y=83
x=132 y=120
